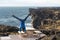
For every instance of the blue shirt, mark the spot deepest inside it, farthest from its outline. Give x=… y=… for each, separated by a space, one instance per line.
x=22 y=26
x=22 y=23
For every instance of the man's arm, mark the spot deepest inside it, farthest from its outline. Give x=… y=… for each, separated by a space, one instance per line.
x=26 y=17
x=16 y=17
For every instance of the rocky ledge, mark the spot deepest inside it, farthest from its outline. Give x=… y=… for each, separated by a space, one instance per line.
x=6 y=30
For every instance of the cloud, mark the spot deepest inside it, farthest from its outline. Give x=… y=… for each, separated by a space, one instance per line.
x=22 y=3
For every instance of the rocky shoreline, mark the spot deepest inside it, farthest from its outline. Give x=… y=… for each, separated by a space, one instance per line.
x=6 y=30
x=46 y=20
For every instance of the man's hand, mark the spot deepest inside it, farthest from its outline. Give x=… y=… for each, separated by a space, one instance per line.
x=13 y=16
x=29 y=14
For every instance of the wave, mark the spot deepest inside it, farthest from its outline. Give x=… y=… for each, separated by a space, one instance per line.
x=28 y=24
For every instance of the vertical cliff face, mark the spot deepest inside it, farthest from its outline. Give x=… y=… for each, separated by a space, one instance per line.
x=44 y=16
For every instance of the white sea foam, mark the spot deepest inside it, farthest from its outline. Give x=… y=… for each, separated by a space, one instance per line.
x=27 y=25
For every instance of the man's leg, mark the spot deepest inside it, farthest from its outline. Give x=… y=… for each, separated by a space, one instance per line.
x=24 y=29
x=20 y=29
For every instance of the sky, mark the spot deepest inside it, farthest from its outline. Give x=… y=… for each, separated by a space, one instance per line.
x=26 y=3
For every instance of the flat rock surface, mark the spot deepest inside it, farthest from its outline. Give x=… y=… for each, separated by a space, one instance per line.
x=15 y=37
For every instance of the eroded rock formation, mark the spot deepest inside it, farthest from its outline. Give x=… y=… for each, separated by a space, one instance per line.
x=47 y=20
x=44 y=16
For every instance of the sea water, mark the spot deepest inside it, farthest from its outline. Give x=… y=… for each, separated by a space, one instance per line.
x=7 y=12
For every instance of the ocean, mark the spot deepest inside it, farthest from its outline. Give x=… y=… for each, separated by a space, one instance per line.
x=7 y=12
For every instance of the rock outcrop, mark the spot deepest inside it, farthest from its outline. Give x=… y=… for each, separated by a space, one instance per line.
x=46 y=20
x=42 y=17
x=6 y=30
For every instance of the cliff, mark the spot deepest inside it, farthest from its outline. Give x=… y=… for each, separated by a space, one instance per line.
x=44 y=18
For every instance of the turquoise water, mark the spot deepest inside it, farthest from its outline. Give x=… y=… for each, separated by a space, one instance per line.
x=7 y=12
